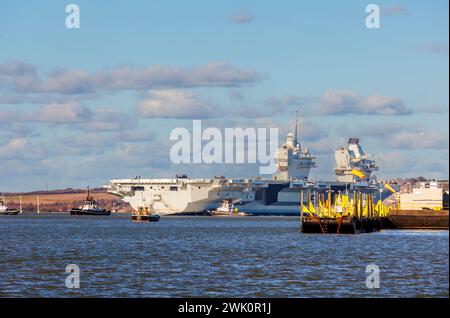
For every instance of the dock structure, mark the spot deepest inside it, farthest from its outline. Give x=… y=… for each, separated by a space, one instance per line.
x=336 y=213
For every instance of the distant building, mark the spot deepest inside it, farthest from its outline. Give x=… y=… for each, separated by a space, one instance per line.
x=430 y=194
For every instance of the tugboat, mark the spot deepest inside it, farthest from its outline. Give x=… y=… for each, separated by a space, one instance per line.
x=4 y=210
x=145 y=214
x=90 y=207
x=227 y=209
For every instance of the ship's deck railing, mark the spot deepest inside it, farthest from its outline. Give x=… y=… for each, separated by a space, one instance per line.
x=158 y=181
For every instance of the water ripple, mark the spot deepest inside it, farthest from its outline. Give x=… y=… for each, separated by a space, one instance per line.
x=212 y=257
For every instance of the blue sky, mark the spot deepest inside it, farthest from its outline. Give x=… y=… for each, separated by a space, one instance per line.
x=71 y=100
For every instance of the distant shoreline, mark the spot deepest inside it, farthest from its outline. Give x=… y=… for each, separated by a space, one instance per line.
x=63 y=200
x=56 y=191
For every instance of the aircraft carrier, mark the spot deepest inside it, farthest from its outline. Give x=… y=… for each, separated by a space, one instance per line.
x=279 y=195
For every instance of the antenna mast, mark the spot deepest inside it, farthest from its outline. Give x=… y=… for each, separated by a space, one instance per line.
x=296 y=129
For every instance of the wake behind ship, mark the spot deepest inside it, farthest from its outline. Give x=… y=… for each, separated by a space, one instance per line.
x=279 y=195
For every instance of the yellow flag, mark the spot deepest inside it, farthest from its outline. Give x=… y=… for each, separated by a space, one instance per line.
x=379 y=207
x=305 y=210
x=339 y=199
x=358 y=173
x=388 y=186
x=312 y=208
x=344 y=199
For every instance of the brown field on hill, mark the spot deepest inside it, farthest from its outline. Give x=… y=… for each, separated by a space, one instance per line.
x=63 y=200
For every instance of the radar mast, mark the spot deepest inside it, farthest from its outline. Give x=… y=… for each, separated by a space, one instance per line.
x=296 y=130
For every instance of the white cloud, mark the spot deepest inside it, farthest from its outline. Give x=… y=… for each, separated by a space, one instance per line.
x=12 y=147
x=344 y=102
x=418 y=139
x=67 y=82
x=62 y=113
x=24 y=78
x=408 y=164
x=71 y=112
x=176 y=104
x=403 y=135
x=16 y=68
x=21 y=149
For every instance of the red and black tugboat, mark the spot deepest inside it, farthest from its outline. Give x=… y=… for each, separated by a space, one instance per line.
x=89 y=207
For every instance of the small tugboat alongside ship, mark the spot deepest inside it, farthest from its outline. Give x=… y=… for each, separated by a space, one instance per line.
x=227 y=209
x=89 y=207
x=145 y=214
x=4 y=210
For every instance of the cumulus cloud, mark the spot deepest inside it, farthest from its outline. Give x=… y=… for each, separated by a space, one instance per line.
x=62 y=113
x=73 y=113
x=334 y=102
x=404 y=136
x=418 y=139
x=343 y=102
x=404 y=164
x=23 y=78
x=16 y=68
x=21 y=149
x=58 y=113
x=12 y=147
x=176 y=104
x=67 y=82
x=243 y=16
x=161 y=76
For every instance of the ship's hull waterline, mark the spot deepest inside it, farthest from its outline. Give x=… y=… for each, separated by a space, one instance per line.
x=258 y=197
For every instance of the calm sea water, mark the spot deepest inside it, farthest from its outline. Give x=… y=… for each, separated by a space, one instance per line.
x=206 y=256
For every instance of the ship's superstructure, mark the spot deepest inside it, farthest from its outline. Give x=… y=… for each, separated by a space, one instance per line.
x=279 y=195
x=293 y=161
x=353 y=164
